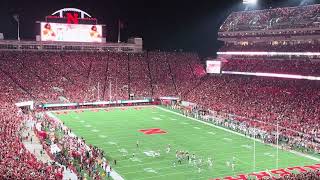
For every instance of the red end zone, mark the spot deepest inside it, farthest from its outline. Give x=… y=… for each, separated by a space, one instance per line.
x=153 y=131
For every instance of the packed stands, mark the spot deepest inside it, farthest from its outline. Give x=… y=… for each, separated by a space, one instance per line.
x=294 y=103
x=140 y=77
x=15 y=161
x=300 y=67
x=58 y=77
x=279 y=18
x=162 y=80
x=269 y=47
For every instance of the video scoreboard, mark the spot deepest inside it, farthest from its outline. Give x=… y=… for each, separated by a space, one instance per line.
x=213 y=67
x=71 y=25
x=70 y=32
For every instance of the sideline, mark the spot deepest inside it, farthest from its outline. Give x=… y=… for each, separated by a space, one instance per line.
x=113 y=173
x=228 y=130
x=116 y=107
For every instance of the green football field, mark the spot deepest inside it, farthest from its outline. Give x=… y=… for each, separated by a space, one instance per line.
x=117 y=131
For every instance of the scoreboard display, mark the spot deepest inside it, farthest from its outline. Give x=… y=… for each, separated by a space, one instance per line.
x=70 y=32
x=213 y=67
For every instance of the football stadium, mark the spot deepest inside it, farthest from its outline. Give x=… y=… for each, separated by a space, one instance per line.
x=87 y=99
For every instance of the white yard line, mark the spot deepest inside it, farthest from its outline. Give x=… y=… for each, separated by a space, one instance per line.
x=218 y=127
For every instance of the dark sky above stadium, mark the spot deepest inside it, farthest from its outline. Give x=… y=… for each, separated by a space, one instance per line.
x=191 y=25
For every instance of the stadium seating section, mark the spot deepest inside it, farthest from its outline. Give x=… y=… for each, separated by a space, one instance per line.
x=258 y=64
x=279 y=18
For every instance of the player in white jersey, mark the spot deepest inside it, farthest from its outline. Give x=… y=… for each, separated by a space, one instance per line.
x=194 y=163
x=210 y=162
x=168 y=149
x=228 y=163
x=232 y=166
x=157 y=154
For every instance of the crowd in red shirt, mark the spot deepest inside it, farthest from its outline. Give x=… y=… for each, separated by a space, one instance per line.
x=15 y=160
x=265 y=65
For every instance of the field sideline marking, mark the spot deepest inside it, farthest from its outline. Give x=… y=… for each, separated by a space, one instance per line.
x=221 y=128
x=73 y=110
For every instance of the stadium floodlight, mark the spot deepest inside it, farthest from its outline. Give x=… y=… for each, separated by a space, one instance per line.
x=250 y=2
x=306 y=2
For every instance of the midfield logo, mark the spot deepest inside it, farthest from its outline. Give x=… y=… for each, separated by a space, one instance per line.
x=153 y=131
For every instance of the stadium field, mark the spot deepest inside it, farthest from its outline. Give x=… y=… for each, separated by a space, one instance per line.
x=117 y=130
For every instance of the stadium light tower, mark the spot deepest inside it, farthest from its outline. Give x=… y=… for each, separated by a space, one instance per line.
x=250 y=2
x=306 y=2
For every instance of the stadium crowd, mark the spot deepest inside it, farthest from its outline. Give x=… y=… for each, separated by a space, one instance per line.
x=269 y=47
x=81 y=77
x=16 y=162
x=294 y=103
x=311 y=175
x=298 y=67
x=278 y=18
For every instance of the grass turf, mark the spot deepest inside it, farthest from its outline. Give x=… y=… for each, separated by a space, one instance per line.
x=116 y=131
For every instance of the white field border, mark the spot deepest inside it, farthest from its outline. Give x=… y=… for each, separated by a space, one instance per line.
x=221 y=128
x=113 y=173
x=115 y=107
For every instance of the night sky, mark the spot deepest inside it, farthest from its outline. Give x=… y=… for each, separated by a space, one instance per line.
x=163 y=24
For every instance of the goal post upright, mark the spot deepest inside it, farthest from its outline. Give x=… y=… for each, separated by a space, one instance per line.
x=277 y=159
x=254 y=148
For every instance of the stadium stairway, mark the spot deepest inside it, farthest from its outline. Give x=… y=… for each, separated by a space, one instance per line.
x=172 y=77
x=106 y=72
x=149 y=73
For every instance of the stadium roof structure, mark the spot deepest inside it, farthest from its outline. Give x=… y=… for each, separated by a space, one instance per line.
x=15 y=45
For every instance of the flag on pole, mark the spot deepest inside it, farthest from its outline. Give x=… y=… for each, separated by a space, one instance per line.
x=16 y=17
x=121 y=24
